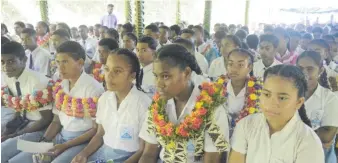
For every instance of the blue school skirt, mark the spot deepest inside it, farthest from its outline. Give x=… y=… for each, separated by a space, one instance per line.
x=105 y=153
x=330 y=155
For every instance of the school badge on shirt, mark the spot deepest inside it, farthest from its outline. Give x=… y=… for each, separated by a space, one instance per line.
x=126 y=133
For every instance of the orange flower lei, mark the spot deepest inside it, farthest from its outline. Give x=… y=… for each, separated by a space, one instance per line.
x=170 y=135
x=29 y=102
x=97 y=72
x=74 y=107
x=253 y=91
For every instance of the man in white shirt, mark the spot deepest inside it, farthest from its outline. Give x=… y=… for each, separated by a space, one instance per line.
x=21 y=81
x=164 y=34
x=88 y=44
x=268 y=50
x=154 y=32
x=38 y=57
x=145 y=51
x=109 y=20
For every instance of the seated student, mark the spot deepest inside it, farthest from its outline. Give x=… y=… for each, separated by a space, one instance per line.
x=75 y=34
x=154 y=32
x=38 y=57
x=113 y=34
x=177 y=100
x=145 y=51
x=241 y=34
x=218 y=66
x=72 y=125
x=268 y=50
x=305 y=40
x=280 y=133
x=43 y=35
x=88 y=44
x=321 y=104
x=283 y=54
x=253 y=41
x=102 y=32
x=323 y=48
x=105 y=46
x=127 y=28
x=175 y=32
x=121 y=113
x=188 y=34
x=294 y=45
x=130 y=41
x=242 y=88
x=197 y=79
x=19 y=83
x=163 y=37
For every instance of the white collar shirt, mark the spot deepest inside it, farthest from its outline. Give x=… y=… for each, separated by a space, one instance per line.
x=296 y=142
x=123 y=124
x=202 y=62
x=235 y=103
x=29 y=81
x=259 y=68
x=85 y=87
x=89 y=46
x=41 y=59
x=217 y=68
x=220 y=119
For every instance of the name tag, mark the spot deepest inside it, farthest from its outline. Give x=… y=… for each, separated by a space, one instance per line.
x=316 y=118
x=126 y=133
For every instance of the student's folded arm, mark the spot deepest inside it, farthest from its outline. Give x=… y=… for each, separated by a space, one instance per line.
x=326 y=133
x=46 y=118
x=212 y=157
x=83 y=138
x=236 y=157
x=150 y=153
x=95 y=143
x=53 y=129
x=136 y=156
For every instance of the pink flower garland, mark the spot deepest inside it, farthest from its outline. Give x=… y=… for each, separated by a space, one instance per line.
x=75 y=107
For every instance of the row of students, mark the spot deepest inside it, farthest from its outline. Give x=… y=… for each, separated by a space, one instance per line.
x=194 y=66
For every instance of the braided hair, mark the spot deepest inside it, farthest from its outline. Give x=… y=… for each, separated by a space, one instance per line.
x=134 y=62
x=318 y=61
x=246 y=52
x=296 y=75
x=179 y=56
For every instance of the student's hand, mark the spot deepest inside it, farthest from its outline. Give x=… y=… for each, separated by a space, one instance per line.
x=57 y=149
x=328 y=145
x=80 y=158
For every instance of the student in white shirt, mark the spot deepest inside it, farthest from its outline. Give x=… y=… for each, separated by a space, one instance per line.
x=268 y=50
x=201 y=46
x=201 y=61
x=321 y=104
x=130 y=41
x=323 y=48
x=121 y=113
x=38 y=57
x=218 y=66
x=163 y=36
x=154 y=32
x=282 y=133
x=145 y=51
x=19 y=78
x=188 y=34
x=88 y=44
x=173 y=68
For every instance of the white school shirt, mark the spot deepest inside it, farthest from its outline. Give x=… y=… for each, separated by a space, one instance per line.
x=259 y=68
x=90 y=46
x=29 y=81
x=202 y=47
x=148 y=76
x=123 y=124
x=159 y=45
x=321 y=108
x=217 y=68
x=202 y=62
x=235 y=103
x=199 y=79
x=85 y=87
x=220 y=119
x=41 y=59
x=296 y=142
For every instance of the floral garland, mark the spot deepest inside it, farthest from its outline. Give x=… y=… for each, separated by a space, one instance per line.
x=97 y=72
x=74 y=107
x=251 y=104
x=43 y=41
x=29 y=102
x=174 y=137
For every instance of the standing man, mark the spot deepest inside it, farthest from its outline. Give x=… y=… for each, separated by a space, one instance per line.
x=109 y=20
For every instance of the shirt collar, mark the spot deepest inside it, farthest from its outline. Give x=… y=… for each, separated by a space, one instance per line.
x=288 y=128
x=80 y=83
x=22 y=77
x=318 y=91
x=230 y=90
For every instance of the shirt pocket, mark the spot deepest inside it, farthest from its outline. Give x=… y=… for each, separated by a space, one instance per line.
x=316 y=118
x=127 y=132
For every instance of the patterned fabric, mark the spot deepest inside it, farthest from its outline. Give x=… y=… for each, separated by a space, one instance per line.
x=288 y=58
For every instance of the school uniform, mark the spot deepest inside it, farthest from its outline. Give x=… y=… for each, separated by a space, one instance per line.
x=203 y=47
x=259 y=68
x=30 y=81
x=38 y=60
x=321 y=108
x=199 y=79
x=220 y=119
x=296 y=142
x=72 y=127
x=121 y=124
x=217 y=68
x=89 y=45
x=148 y=79
x=202 y=62
x=159 y=44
